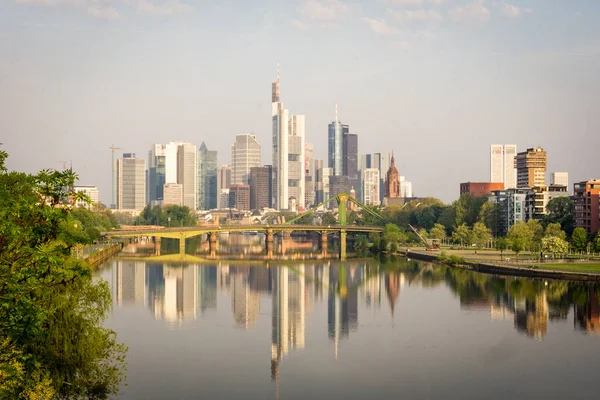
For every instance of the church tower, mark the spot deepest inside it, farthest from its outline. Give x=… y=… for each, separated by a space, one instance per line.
x=392 y=181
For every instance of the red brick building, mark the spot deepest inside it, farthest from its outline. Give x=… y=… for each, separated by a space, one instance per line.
x=480 y=188
x=587 y=205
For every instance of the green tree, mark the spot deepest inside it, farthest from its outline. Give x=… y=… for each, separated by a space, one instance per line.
x=501 y=244
x=554 y=244
x=488 y=214
x=481 y=234
x=596 y=243
x=579 y=240
x=52 y=342
x=447 y=218
x=393 y=234
x=328 y=219
x=520 y=237
x=537 y=233
x=463 y=235
x=554 y=229
x=560 y=210
x=438 y=232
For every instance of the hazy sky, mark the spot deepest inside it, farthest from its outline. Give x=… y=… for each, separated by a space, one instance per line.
x=436 y=81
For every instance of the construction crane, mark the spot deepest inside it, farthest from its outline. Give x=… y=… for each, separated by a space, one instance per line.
x=112 y=150
x=430 y=244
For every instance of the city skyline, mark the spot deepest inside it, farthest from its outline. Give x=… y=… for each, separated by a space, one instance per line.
x=91 y=82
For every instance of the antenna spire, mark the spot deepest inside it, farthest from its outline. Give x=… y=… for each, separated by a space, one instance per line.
x=278 y=75
x=336 y=112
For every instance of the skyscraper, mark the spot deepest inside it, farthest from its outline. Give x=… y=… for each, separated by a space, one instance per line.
x=309 y=175
x=559 y=179
x=223 y=182
x=131 y=182
x=335 y=140
x=245 y=154
x=280 y=118
x=187 y=173
x=531 y=168
x=502 y=164
x=207 y=178
x=239 y=197
x=370 y=186
x=261 y=193
x=156 y=173
x=350 y=163
x=296 y=167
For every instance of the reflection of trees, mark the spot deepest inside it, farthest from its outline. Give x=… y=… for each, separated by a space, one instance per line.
x=529 y=302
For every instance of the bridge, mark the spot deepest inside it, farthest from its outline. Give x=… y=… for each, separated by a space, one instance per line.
x=212 y=231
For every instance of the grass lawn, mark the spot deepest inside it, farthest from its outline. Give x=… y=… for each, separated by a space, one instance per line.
x=583 y=267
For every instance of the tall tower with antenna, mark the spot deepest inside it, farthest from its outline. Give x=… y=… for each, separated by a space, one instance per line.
x=280 y=117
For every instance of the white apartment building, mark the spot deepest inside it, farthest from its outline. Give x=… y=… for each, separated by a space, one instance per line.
x=502 y=164
x=91 y=192
x=371 y=186
x=559 y=179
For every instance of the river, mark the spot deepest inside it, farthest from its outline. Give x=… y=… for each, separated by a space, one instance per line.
x=358 y=330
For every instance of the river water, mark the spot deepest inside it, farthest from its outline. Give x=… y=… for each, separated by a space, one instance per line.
x=358 y=330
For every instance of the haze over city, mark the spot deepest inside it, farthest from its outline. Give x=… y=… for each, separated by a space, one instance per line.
x=436 y=81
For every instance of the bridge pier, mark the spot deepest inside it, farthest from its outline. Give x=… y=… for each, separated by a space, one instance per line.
x=157 y=243
x=324 y=243
x=269 y=243
x=342 y=244
x=182 y=245
x=213 y=243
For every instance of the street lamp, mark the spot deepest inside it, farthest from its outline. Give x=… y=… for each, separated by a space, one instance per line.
x=169 y=219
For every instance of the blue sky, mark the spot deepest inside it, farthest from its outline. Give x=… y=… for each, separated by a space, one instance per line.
x=436 y=81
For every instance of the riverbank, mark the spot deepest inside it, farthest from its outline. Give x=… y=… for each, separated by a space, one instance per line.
x=528 y=271
x=99 y=256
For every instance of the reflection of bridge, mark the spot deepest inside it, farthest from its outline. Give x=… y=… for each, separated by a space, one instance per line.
x=269 y=230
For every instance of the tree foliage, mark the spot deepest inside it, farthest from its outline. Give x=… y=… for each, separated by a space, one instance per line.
x=579 y=240
x=171 y=215
x=52 y=342
x=560 y=210
x=393 y=234
x=463 y=235
x=438 y=232
x=481 y=235
x=554 y=229
x=554 y=244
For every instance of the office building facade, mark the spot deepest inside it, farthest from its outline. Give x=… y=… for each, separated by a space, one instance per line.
x=131 y=182
x=239 y=197
x=309 y=175
x=296 y=166
x=480 y=188
x=187 y=174
x=261 y=193
x=280 y=125
x=531 y=168
x=559 y=179
x=502 y=165
x=370 y=186
x=223 y=182
x=207 y=178
x=173 y=194
x=586 y=203
x=245 y=154
x=91 y=192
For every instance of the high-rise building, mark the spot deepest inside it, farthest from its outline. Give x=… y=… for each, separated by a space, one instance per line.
x=405 y=187
x=156 y=180
x=335 y=145
x=245 y=154
x=531 y=168
x=370 y=186
x=239 y=197
x=559 y=179
x=350 y=162
x=512 y=207
x=586 y=202
x=309 y=175
x=172 y=194
x=261 y=193
x=207 y=178
x=338 y=184
x=171 y=151
x=187 y=173
x=502 y=164
x=91 y=192
x=538 y=198
x=318 y=181
x=381 y=161
x=296 y=167
x=131 y=182
x=223 y=182
x=280 y=117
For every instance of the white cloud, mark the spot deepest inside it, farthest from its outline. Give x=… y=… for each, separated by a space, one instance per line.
x=380 y=27
x=415 y=15
x=404 y=2
x=326 y=10
x=512 y=11
x=403 y=44
x=474 y=12
x=105 y=9
x=168 y=7
x=303 y=26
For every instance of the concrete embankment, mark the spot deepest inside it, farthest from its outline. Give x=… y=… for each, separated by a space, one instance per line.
x=514 y=270
x=102 y=255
